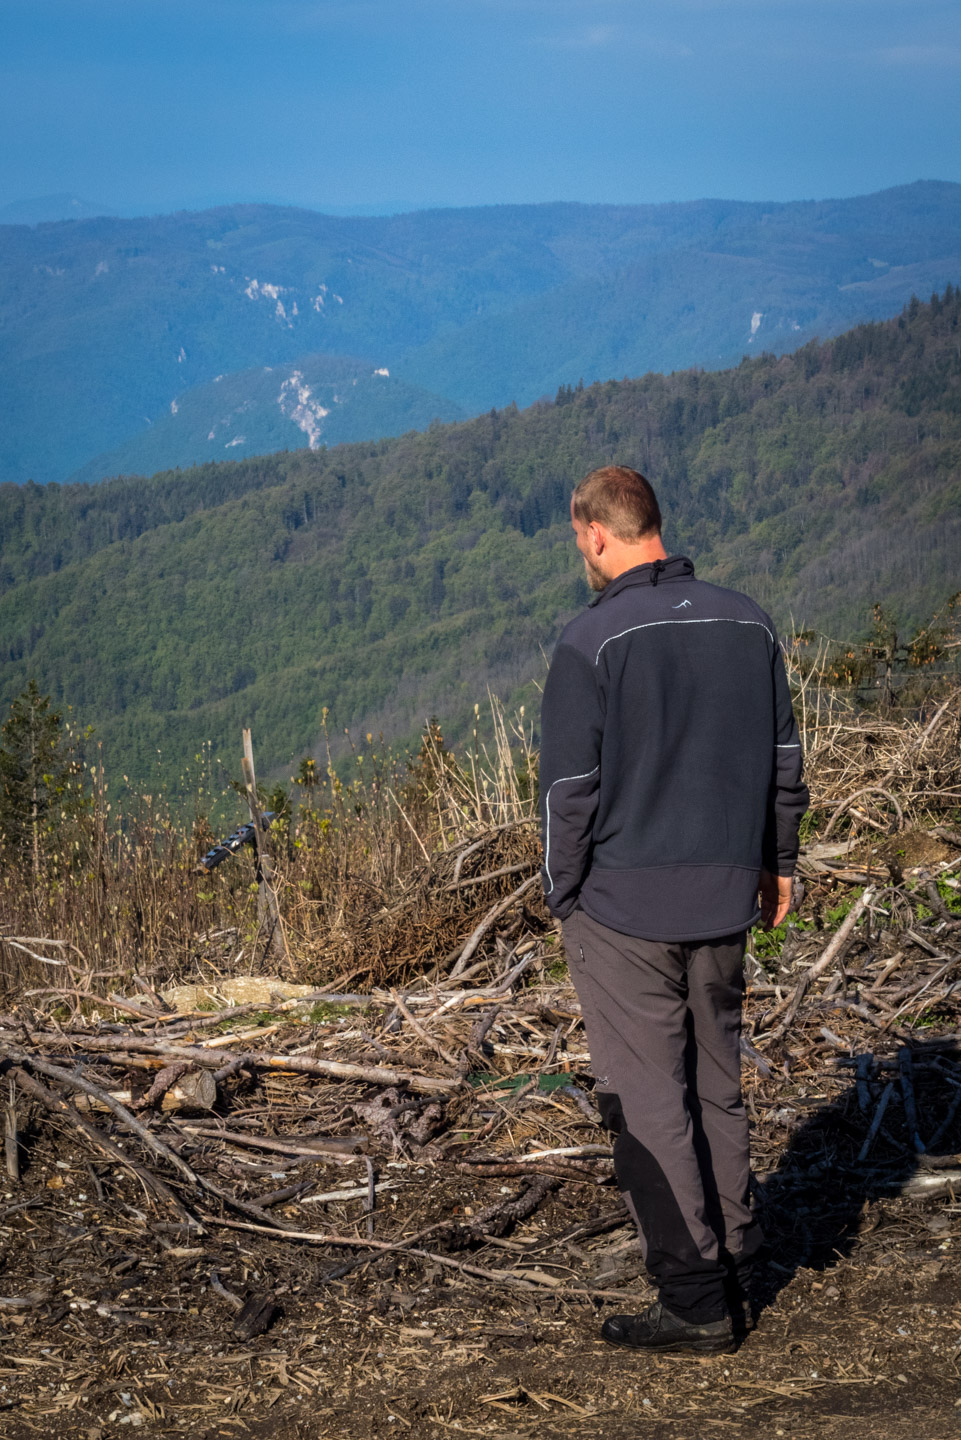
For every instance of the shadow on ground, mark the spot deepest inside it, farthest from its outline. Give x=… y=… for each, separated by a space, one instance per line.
x=845 y=1157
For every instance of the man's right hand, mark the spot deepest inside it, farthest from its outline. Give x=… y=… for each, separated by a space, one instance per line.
x=775 y=894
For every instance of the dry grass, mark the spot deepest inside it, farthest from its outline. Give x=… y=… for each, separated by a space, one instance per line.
x=361 y=860
x=386 y=871
x=879 y=756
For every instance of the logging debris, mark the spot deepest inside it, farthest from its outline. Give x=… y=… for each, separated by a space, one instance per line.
x=399 y=1199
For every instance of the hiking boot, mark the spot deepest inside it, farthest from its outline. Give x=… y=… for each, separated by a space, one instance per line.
x=658 y=1329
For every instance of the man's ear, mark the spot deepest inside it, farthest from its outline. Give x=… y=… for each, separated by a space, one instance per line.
x=598 y=537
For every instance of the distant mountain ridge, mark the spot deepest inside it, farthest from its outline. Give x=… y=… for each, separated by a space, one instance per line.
x=317 y=400
x=105 y=322
x=46 y=209
x=396 y=580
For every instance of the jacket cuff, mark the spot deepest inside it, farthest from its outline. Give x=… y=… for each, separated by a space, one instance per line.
x=564 y=910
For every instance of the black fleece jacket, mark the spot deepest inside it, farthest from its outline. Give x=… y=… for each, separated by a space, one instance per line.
x=670 y=758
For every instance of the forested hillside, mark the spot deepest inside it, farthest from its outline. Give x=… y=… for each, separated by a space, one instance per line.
x=105 y=323
x=396 y=580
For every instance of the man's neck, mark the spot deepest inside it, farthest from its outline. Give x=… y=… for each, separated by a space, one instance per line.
x=623 y=556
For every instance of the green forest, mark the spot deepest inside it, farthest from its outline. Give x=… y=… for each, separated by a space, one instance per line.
x=393 y=581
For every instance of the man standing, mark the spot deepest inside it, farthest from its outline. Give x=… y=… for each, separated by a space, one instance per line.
x=671 y=796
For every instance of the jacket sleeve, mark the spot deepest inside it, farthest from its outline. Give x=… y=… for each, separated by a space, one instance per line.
x=789 y=795
x=572 y=724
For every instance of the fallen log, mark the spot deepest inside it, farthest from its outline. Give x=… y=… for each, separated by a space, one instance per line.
x=929 y=1186
x=252 y=1060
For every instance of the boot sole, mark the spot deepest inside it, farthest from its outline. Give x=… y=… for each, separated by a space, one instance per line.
x=725 y=1346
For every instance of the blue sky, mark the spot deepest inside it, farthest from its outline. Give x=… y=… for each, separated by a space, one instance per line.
x=151 y=105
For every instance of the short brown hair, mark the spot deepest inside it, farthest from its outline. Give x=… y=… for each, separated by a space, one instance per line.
x=619 y=499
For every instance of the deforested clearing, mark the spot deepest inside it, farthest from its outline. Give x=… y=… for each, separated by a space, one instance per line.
x=341 y=1173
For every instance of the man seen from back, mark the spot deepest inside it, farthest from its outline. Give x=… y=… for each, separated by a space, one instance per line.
x=671 y=796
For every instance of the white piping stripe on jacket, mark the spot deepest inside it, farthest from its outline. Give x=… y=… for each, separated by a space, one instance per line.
x=713 y=620
x=564 y=780
x=795 y=746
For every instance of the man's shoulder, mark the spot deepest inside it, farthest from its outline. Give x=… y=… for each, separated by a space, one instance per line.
x=730 y=604
x=639 y=606
x=585 y=632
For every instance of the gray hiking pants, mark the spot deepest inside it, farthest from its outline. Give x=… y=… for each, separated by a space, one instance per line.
x=663 y=1023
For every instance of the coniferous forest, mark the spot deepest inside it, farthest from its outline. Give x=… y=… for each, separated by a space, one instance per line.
x=396 y=580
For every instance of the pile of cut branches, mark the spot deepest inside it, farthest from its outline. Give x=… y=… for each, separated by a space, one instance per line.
x=483 y=886
x=875 y=774
x=367 y=1098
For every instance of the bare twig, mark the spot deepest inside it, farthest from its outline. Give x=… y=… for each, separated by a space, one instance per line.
x=11 y=1141
x=832 y=951
x=103 y=1144
x=299 y=1064
x=527 y=1280
x=481 y=930
x=419 y=1030
x=876 y=1122
x=129 y=1121
x=910 y=1104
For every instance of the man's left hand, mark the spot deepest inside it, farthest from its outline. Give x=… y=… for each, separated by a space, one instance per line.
x=775 y=894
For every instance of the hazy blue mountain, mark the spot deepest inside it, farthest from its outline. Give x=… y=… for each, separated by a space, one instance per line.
x=319 y=400
x=663 y=314
x=46 y=208
x=104 y=322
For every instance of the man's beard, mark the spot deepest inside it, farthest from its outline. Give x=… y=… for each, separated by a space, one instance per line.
x=596 y=578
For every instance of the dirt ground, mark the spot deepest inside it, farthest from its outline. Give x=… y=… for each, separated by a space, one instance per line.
x=109 y=1322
